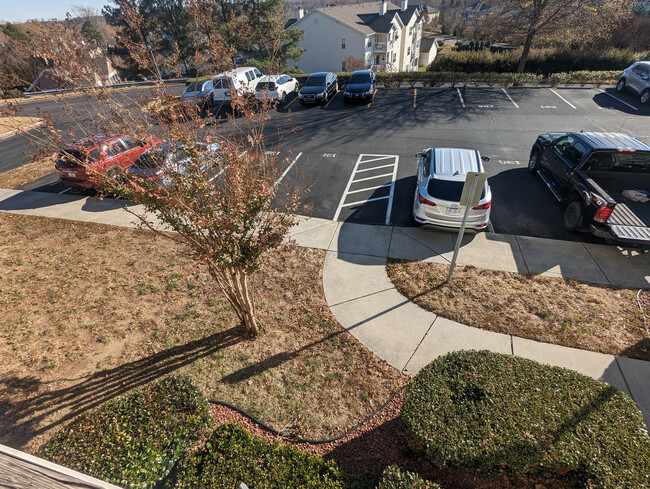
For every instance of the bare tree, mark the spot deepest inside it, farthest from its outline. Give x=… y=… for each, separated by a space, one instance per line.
x=527 y=22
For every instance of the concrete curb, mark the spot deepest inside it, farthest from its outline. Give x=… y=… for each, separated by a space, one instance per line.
x=10 y=134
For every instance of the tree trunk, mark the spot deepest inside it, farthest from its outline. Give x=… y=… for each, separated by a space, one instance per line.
x=524 y=55
x=234 y=284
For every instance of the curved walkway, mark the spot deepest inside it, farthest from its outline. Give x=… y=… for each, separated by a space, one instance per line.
x=363 y=299
x=365 y=302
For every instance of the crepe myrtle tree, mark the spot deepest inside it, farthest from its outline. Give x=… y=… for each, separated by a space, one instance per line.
x=211 y=186
x=225 y=205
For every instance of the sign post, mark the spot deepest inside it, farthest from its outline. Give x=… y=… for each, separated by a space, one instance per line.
x=470 y=197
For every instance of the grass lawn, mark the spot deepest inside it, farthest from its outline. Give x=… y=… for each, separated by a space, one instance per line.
x=552 y=310
x=90 y=311
x=26 y=173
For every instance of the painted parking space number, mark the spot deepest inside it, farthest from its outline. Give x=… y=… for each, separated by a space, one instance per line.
x=329 y=155
x=548 y=106
x=486 y=106
x=509 y=162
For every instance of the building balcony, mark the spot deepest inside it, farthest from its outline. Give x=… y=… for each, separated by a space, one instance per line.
x=379 y=47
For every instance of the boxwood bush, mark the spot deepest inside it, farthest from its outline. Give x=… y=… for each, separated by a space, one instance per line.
x=232 y=456
x=396 y=478
x=134 y=440
x=499 y=413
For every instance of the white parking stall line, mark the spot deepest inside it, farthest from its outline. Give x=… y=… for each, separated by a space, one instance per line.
x=366 y=201
x=616 y=98
x=460 y=96
x=510 y=98
x=374 y=167
x=379 y=157
x=284 y=174
x=392 y=192
x=563 y=99
x=361 y=160
x=372 y=178
x=347 y=188
x=66 y=190
x=366 y=189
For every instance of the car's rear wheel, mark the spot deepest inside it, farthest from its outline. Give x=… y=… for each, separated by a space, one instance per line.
x=573 y=216
x=620 y=86
x=645 y=96
x=533 y=163
x=283 y=98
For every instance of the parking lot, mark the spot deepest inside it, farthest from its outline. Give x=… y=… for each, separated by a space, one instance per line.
x=358 y=160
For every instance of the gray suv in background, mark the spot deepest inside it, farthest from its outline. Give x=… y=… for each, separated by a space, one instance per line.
x=636 y=78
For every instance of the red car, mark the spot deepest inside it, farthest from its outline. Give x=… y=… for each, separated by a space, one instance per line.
x=99 y=154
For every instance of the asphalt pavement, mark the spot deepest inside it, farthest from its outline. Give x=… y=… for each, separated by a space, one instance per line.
x=358 y=160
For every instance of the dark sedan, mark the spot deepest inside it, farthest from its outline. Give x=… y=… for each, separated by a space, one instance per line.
x=361 y=86
x=319 y=88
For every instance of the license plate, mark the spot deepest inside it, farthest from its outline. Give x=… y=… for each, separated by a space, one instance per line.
x=71 y=174
x=453 y=211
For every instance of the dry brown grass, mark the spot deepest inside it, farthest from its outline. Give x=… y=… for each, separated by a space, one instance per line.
x=552 y=310
x=9 y=124
x=90 y=311
x=26 y=173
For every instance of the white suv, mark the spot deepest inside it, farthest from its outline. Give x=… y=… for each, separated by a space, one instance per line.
x=440 y=180
x=236 y=83
x=637 y=79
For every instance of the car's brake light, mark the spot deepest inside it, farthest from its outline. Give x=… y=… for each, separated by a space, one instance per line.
x=626 y=150
x=483 y=206
x=422 y=200
x=602 y=214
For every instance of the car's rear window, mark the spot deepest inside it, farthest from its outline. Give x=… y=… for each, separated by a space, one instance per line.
x=636 y=162
x=315 y=81
x=447 y=190
x=359 y=78
x=265 y=86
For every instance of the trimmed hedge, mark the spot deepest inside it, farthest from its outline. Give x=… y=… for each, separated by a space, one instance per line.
x=134 y=440
x=232 y=456
x=396 y=478
x=499 y=413
x=442 y=78
x=542 y=61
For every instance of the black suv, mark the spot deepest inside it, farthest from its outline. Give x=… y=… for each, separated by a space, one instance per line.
x=319 y=88
x=361 y=86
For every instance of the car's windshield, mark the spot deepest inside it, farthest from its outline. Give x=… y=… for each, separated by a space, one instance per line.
x=447 y=190
x=315 y=81
x=359 y=78
x=190 y=88
x=153 y=158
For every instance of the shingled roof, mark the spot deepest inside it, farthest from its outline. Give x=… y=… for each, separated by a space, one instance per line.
x=365 y=17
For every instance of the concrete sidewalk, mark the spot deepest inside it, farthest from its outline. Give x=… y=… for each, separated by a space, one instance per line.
x=365 y=302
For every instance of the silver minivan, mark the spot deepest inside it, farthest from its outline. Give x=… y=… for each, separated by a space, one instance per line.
x=441 y=174
x=636 y=78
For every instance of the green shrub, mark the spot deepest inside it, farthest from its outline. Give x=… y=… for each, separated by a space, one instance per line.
x=13 y=32
x=12 y=93
x=396 y=478
x=499 y=413
x=541 y=61
x=232 y=456
x=134 y=440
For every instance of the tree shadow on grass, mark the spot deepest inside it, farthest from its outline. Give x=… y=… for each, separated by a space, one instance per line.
x=35 y=413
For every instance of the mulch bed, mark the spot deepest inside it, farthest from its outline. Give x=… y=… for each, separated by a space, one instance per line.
x=368 y=450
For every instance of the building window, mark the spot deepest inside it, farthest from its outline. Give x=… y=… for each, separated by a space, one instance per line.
x=369 y=45
x=394 y=57
x=408 y=52
x=343 y=43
